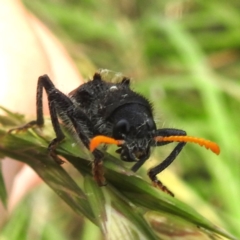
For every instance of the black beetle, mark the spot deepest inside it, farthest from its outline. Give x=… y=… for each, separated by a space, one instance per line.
x=111 y=113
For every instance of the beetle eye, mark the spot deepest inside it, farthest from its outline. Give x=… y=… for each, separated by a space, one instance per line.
x=121 y=128
x=151 y=124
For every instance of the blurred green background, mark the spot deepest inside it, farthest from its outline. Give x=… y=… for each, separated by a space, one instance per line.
x=185 y=57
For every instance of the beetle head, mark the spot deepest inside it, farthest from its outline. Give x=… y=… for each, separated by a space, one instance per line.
x=134 y=124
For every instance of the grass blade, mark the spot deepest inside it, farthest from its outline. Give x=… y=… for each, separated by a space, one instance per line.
x=126 y=193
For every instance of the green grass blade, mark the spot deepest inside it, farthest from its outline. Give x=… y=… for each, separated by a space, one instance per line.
x=97 y=202
x=29 y=148
x=224 y=168
x=126 y=193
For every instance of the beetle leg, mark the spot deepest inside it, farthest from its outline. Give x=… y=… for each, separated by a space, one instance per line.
x=97 y=166
x=43 y=82
x=140 y=162
x=172 y=156
x=52 y=92
x=59 y=104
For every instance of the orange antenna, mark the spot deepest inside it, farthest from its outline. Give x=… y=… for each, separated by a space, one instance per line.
x=96 y=141
x=202 y=142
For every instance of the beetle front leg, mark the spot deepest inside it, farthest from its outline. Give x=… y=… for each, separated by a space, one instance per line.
x=159 y=168
x=78 y=118
x=97 y=168
x=172 y=156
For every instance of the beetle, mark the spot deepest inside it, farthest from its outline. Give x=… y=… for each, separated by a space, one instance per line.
x=105 y=112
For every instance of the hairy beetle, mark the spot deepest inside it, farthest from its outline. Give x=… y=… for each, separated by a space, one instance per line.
x=110 y=113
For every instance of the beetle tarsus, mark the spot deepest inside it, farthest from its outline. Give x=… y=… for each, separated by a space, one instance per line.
x=25 y=127
x=158 y=184
x=98 y=172
x=52 y=151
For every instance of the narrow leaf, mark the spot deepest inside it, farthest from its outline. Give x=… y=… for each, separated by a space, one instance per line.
x=97 y=202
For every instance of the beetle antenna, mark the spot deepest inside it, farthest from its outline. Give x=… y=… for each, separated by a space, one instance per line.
x=202 y=142
x=96 y=141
